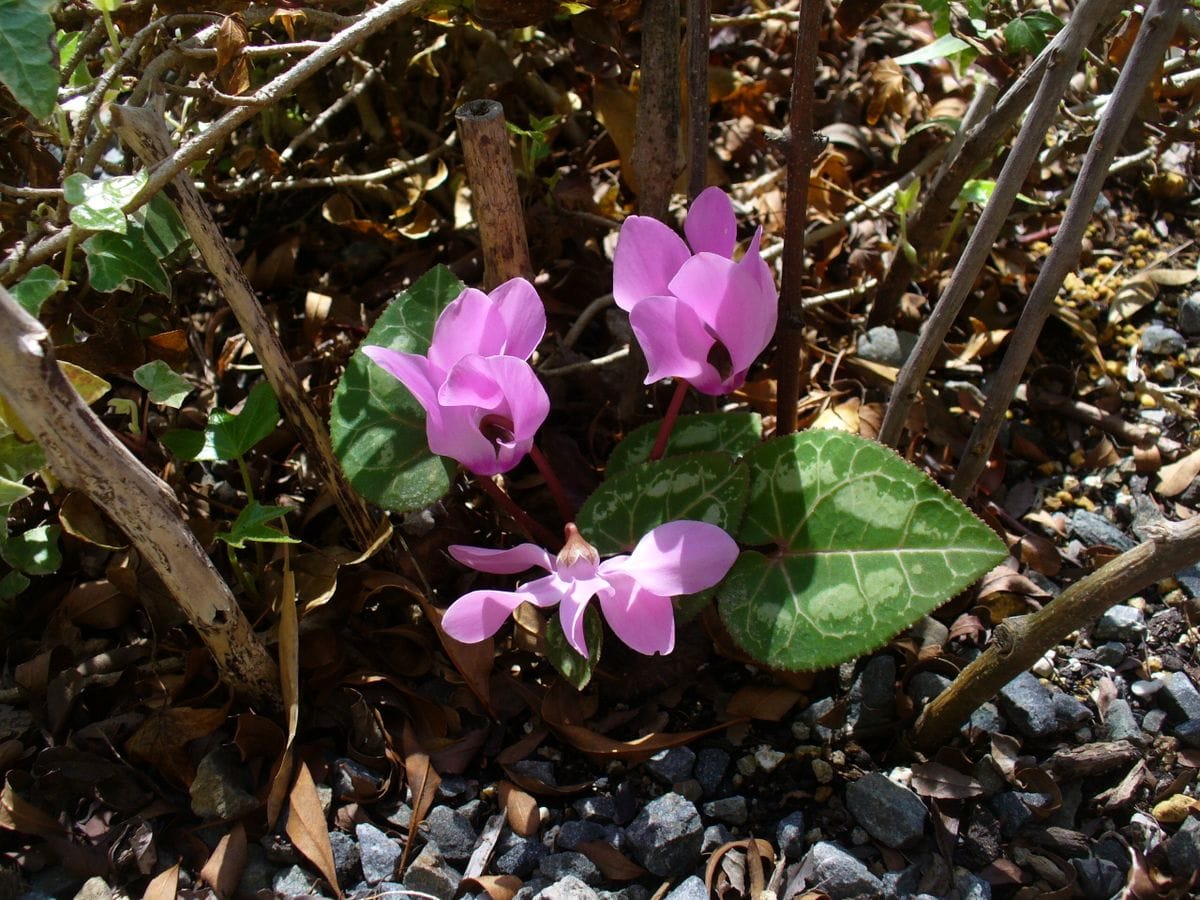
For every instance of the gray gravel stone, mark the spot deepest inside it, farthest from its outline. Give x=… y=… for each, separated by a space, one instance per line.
x=715 y=836
x=217 y=791
x=1110 y=653
x=558 y=866
x=1092 y=528
x=883 y=344
x=789 y=835
x=1145 y=688
x=574 y=832
x=666 y=836
x=346 y=856
x=531 y=889
x=519 y=856
x=596 y=809
x=1038 y=711
x=1011 y=811
x=1189 y=733
x=924 y=686
x=891 y=814
x=711 y=765
x=671 y=766
x=691 y=888
x=1121 y=723
x=537 y=769
x=1189 y=314
x=430 y=874
x=1154 y=721
x=569 y=888
x=839 y=874
x=96 y=888
x=986 y=719
x=452 y=832
x=455 y=790
x=872 y=699
x=1183 y=849
x=1159 y=340
x=1179 y=697
x=970 y=886
x=258 y=872
x=398 y=814
x=1121 y=623
x=728 y=809
x=1099 y=879
x=379 y=853
x=295 y=881
x=353 y=781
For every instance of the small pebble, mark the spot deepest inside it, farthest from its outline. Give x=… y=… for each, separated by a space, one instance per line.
x=822 y=771
x=768 y=759
x=1154 y=720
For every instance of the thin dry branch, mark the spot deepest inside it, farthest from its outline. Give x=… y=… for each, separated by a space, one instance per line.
x=655 y=159
x=84 y=454
x=698 y=36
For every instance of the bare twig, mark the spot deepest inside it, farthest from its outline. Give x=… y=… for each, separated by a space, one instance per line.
x=593 y=309
x=1058 y=71
x=800 y=155
x=586 y=365
x=145 y=131
x=655 y=160
x=1174 y=546
x=320 y=121
x=1134 y=434
x=86 y=455
x=494 y=196
x=1141 y=65
x=986 y=92
x=698 y=35
x=31 y=193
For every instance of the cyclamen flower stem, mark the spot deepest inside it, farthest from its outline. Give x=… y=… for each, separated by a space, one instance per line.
x=556 y=489
x=668 y=422
x=525 y=522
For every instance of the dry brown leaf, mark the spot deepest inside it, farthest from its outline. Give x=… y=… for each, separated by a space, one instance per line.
x=934 y=779
x=307 y=828
x=497 y=887
x=520 y=809
x=1175 y=478
x=885 y=89
x=612 y=863
x=164 y=885
x=162 y=739
x=289 y=649
x=224 y=868
x=80 y=517
x=97 y=604
x=233 y=70
x=768 y=703
x=19 y=815
x=423 y=781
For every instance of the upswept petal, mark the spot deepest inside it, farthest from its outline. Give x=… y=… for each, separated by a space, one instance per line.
x=470 y=324
x=753 y=262
x=648 y=255
x=472 y=381
x=454 y=432
x=729 y=299
x=524 y=317
x=411 y=370
x=503 y=562
x=478 y=615
x=680 y=557
x=528 y=404
x=710 y=225
x=640 y=618
x=674 y=340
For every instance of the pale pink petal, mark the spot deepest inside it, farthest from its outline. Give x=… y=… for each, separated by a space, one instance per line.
x=412 y=371
x=528 y=403
x=524 y=316
x=453 y=431
x=503 y=562
x=643 y=620
x=478 y=615
x=647 y=257
x=711 y=226
x=575 y=601
x=469 y=325
x=680 y=557
x=674 y=340
x=472 y=382
x=753 y=262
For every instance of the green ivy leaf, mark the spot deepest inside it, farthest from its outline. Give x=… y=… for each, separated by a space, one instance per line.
x=12 y=491
x=866 y=544
x=939 y=12
x=1029 y=33
x=27 y=68
x=570 y=664
x=18 y=458
x=162 y=228
x=251 y=525
x=114 y=260
x=732 y=433
x=165 y=386
x=944 y=47
x=228 y=435
x=12 y=585
x=38 y=285
x=35 y=552
x=707 y=487
x=377 y=428
x=97 y=205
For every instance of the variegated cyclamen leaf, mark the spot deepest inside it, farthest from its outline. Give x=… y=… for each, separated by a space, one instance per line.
x=864 y=545
x=733 y=433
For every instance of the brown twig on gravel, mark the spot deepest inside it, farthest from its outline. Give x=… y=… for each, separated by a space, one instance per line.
x=1144 y=59
x=144 y=130
x=1015 y=647
x=1135 y=434
x=801 y=152
x=494 y=196
x=1058 y=71
x=85 y=454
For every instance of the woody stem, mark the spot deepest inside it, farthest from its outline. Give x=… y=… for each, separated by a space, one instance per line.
x=551 y=478
x=668 y=422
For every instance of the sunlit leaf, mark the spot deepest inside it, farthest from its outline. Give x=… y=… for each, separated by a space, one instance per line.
x=1030 y=32
x=38 y=285
x=34 y=552
x=27 y=68
x=570 y=664
x=164 y=385
x=732 y=433
x=250 y=525
x=97 y=205
x=945 y=46
x=228 y=435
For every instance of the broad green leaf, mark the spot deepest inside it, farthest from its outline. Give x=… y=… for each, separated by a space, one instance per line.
x=97 y=205
x=977 y=191
x=706 y=487
x=939 y=13
x=165 y=386
x=945 y=46
x=251 y=525
x=732 y=433
x=570 y=664
x=12 y=585
x=228 y=435
x=38 y=285
x=162 y=228
x=378 y=429
x=114 y=260
x=35 y=552
x=1031 y=32
x=27 y=68
x=18 y=458
x=88 y=385
x=864 y=545
x=12 y=491
x=68 y=44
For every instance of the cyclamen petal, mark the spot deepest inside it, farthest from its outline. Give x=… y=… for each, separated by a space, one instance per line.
x=411 y=370
x=711 y=226
x=478 y=615
x=645 y=621
x=523 y=314
x=674 y=340
x=680 y=557
x=647 y=257
x=503 y=562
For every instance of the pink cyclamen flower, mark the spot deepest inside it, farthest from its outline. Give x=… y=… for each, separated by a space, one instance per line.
x=635 y=589
x=483 y=403
x=697 y=314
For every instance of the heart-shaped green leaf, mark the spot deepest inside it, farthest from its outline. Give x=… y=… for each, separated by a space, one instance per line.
x=378 y=429
x=163 y=383
x=228 y=435
x=97 y=205
x=27 y=67
x=38 y=285
x=707 y=487
x=866 y=545
x=251 y=525
x=733 y=433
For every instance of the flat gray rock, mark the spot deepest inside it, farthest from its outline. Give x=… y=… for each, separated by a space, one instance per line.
x=1179 y=697
x=891 y=814
x=378 y=853
x=666 y=835
x=837 y=873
